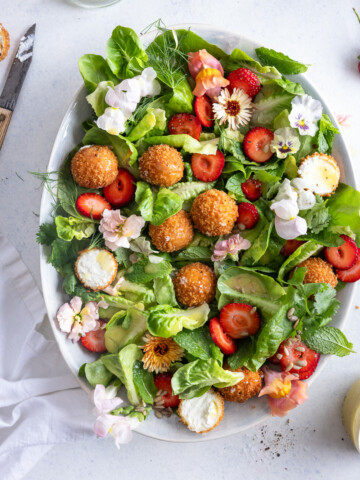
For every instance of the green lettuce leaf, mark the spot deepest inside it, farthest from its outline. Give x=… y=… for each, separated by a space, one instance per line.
x=145 y=200
x=154 y=119
x=269 y=107
x=164 y=291
x=125 y=53
x=187 y=143
x=195 y=378
x=167 y=203
x=190 y=190
x=97 y=97
x=238 y=59
x=144 y=382
x=143 y=271
x=344 y=208
x=96 y=373
x=305 y=251
x=94 y=69
x=166 y=321
x=68 y=228
x=199 y=344
x=283 y=63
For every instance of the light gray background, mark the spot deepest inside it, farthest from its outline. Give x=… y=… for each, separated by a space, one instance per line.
x=325 y=34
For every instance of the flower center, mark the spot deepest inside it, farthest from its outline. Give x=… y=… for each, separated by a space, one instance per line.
x=77 y=318
x=281 y=388
x=232 y=108
x=161 y=349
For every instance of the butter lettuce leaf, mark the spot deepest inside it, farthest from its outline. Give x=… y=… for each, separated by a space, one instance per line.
x=187 y=143
x=95 y=69
x=283 y=63
x=68 y=228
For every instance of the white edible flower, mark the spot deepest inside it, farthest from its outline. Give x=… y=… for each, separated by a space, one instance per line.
x=235 y=108
x=124 y=96
x=112 y=121
x=285 y=142
x=306 y=199
x=290 y=229
x=118 y=230
x=149 y=86
x=285 y=209
x=305 y=114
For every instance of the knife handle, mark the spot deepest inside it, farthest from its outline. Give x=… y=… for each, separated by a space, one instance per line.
x=5 y=117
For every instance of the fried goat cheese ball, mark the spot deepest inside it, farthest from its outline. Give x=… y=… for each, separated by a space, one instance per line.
x=174 y=234
x=94 y=166
x=202 y=414
x=248 y=387
x=195 y=284
x=161 y=165
x=96 y=268
x=318 y=271
x=214 y=213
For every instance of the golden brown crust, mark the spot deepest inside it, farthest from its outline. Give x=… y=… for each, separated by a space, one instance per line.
x=221 y=416
x=4 y=42
x=100 y=287
x=318 y=271
x=161 y=165
x=195 y=284
x=214 y=213
x=247 y=388
x=95 y=166
x=332 y=163
x=174 y=234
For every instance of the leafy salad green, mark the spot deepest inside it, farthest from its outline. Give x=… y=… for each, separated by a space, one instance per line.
x=265 y=275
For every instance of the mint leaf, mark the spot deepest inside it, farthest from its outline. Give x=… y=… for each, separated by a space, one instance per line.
x=283 y=63
x=326 y=134
x=46 y=234
x=329 y=340
x=202 y=254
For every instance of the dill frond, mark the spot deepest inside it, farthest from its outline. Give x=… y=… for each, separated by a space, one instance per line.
x=47 y=180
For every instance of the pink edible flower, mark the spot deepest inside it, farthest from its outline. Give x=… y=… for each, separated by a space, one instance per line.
x=117 y=230
x=119 y=427
x=284 y=391
x=77 y=321
x=231 y=245
x=343 y=119
x=202 y=59
x=209 y=82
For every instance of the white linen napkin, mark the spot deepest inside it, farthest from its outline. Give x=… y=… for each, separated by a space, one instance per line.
x=41 y=403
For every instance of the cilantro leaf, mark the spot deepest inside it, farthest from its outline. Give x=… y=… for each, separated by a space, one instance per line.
x=46 y=234
x=318 y=217
x=283 y=63
x=328 y=340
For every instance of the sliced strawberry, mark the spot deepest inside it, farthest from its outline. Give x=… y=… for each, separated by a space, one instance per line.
x=352 y=274
x=257 y=144
x=163 y=382
x=203 y=110
x=290 y=247
x=251 y=189
x=122 y=190
x=303 y=360
x=344 y=256
x=246 y=80
x=185 y=123
x=95 y=340
x=207 y=168
x=92 y=205
x=248 y=214
x=239 y=320
x=226 y=344
x=274 y=359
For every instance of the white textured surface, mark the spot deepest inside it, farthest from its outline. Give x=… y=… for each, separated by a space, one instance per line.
x=323 y=33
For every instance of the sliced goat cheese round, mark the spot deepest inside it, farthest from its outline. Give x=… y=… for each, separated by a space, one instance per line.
x=96 y=268
x=321 y=174
x=202 y=414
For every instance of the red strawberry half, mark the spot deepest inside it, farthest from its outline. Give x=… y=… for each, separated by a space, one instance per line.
x=163 y=382
x=352 y=274
x=298 y=358
x=248 y=214
x=239 y=320
x=246 y=80
x=207 y=168
x=95 y=340
x=203 y=110
x=92 y=205
x=122 y=190
x=257 y=144
x=226 y=344
x=290 y=247
x=251 y=189
x=344 y=256
x=185 y=123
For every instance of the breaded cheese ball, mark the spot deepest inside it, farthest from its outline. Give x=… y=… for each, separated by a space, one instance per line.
x=202 y=414
x=174 y=234
x=96 y=268
x=248 y=387
x=94 y=166
x=214 y=213
x=161 y=165
x=195 y=284
x=318 y=271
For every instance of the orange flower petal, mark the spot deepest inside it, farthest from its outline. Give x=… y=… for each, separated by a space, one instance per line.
x=207 y=80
